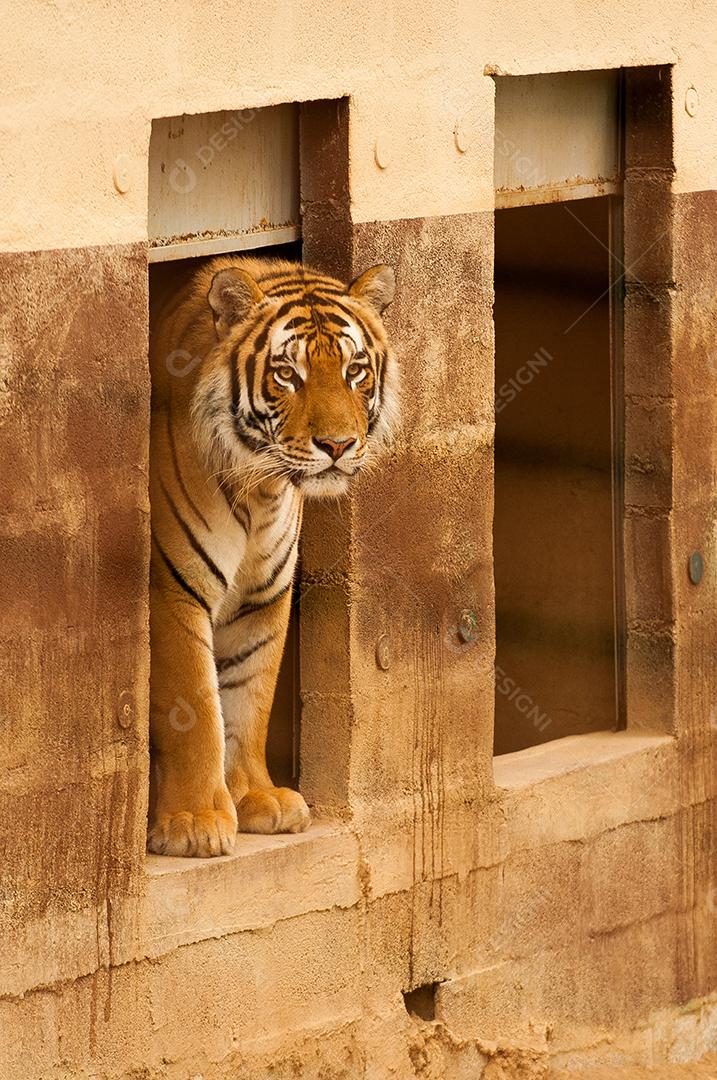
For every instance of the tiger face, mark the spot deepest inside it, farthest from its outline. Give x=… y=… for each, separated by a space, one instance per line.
x=303 y=381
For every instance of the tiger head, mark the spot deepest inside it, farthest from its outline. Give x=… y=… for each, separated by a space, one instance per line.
x=302 y=382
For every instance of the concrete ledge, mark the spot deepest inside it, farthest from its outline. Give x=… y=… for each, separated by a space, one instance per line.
x=578 y=787
x=267 y=879
x=571 y=790
x=537 y=763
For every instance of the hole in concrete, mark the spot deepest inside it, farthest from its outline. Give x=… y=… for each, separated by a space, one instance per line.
x=421 y=1002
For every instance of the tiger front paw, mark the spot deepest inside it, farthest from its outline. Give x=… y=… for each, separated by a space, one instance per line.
x=275 y=810
x=201 y=834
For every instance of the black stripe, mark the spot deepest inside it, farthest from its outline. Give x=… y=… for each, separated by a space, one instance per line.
x=234 y=357
x=326 y=303
x=193 y=542
x=236 y=683
x=337 y=320
x=288 y=290
x=327 y=290
x=249 y=609
x=300 y=276
x=236 y=390
x=278 y=568
x=192 y=634
x=236 y=508
x=279 y=425
x=272 y=497
x=249 y=441
x=179 y=579
x=178 y=474
x=268 y=554
x=327 y=297
x=232 y=661
x=263 y=336
x=379 y=378
x=277 y=277
x=297 y=452
x=292 y=324
x=252 y=422
x=267 y=525
x=280 y=314
x=249 y=370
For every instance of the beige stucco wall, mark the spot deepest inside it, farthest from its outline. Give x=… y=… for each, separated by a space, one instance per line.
x=81 y=86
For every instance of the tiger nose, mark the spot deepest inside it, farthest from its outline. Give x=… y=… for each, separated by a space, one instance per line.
x=334 y=447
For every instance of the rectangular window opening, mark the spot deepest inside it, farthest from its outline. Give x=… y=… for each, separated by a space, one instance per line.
x=230 y=183
x=272 y=183
x=558 y=439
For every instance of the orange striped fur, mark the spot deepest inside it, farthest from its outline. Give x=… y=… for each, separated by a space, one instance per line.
x=271 y=382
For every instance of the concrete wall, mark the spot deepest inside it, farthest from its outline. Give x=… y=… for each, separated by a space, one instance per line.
x=564 y=904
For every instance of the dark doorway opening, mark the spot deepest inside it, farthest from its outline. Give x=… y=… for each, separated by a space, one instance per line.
x=279 y=174
x=557 y=461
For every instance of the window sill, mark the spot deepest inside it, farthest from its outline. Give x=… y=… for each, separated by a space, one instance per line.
x=524 y=768
x=575 y=788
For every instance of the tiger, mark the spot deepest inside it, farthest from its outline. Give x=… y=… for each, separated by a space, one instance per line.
x=271 y=383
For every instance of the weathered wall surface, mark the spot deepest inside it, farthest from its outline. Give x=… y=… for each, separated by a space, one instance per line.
x=81 y=88
x=565 y=909
x=73 y=613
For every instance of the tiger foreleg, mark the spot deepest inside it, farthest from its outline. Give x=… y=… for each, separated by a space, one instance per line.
x=249 y=651
x=193 y=812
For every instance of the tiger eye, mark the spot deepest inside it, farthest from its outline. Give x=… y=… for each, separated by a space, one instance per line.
x=286 y=373
x=353 y=369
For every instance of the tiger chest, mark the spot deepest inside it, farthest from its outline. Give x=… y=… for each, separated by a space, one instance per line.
x=271 y=525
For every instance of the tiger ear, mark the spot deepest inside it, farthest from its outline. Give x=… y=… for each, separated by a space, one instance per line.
x=377 y=286
x=232 y=294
